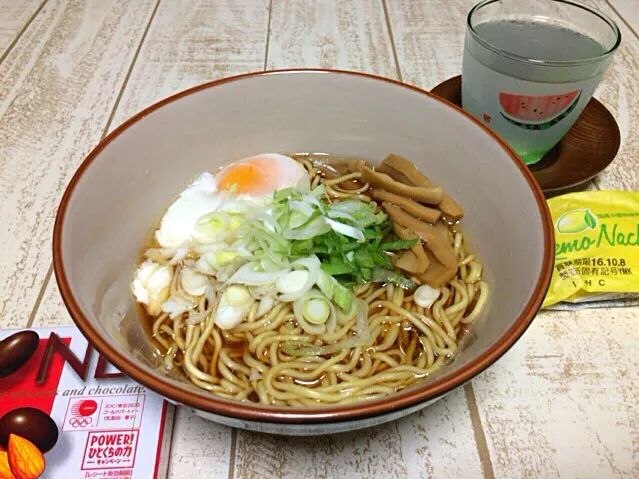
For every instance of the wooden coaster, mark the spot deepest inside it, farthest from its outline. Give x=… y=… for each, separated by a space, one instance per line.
x=585 y=151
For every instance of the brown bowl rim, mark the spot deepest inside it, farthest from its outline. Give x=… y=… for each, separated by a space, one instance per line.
x=210 y=403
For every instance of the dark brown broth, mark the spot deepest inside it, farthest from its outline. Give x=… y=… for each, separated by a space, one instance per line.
x=239 y=349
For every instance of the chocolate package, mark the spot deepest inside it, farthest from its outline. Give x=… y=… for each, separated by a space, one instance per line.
x=65 y=412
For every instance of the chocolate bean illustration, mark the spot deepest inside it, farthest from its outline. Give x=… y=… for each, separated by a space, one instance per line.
x=31 y=424
x=16 y=350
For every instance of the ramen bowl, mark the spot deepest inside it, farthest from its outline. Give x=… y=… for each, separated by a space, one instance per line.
x=134 y=173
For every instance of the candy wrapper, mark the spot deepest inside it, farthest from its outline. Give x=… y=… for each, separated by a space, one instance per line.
x=596 y=250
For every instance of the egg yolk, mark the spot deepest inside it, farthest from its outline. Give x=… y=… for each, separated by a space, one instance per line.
x=247 y=178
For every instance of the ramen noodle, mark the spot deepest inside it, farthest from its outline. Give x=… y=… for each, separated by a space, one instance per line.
x=309 y=279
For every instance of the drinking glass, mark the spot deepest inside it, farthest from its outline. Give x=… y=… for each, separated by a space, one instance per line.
x=531 y=67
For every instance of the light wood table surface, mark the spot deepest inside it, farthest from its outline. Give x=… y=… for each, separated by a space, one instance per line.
x=564 y=402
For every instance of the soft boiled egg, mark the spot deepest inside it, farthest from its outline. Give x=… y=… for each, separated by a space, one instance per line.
x=152 y=284
x=177 y=225
x=260 y=175
x=248 y=179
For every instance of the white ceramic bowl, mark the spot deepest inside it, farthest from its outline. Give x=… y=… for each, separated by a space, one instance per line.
x=127 y=181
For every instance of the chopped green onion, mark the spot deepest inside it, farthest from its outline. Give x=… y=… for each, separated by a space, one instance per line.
x=349 y=242
x=236 y=295
x=382 y=275
x=326 y=284
x=363 y=338
x=342 y=296
x=227 y=256
x=292 y=282
x=315 y=227
x=399 y=244
x=337 y=267
x=346 y=230
x=316 y=311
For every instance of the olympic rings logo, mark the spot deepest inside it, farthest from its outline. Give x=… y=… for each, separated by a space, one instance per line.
x=80 y=421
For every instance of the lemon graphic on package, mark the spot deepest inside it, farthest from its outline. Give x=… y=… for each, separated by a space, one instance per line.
x=576 y=221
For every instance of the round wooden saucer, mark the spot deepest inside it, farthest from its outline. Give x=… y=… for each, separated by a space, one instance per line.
x=584 y=152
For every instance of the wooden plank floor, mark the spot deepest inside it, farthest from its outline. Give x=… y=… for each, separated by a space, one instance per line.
x=16 y=17
x=562 y=402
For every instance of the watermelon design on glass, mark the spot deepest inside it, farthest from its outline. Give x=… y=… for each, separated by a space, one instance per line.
x=537 y=112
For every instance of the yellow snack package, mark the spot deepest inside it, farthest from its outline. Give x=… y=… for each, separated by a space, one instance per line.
x=596 y=247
